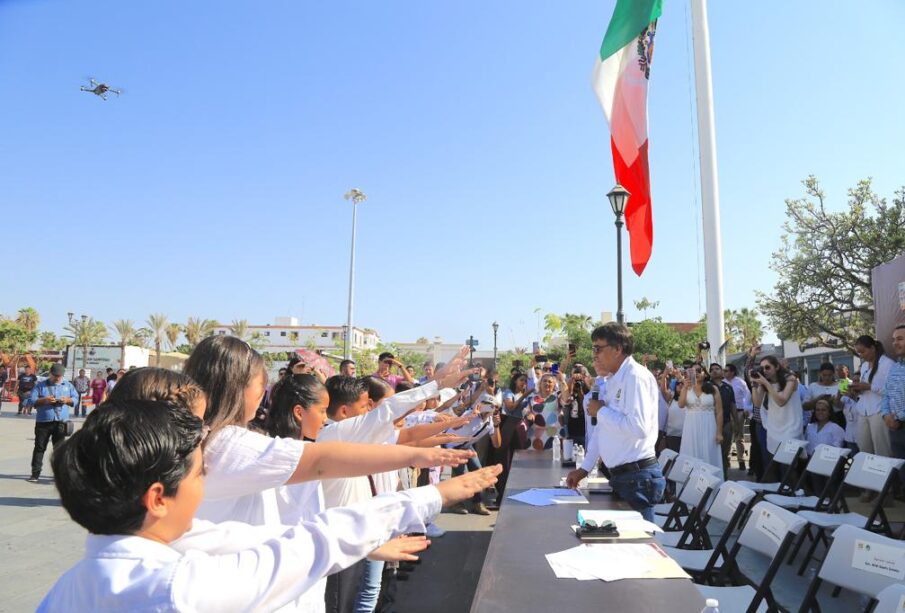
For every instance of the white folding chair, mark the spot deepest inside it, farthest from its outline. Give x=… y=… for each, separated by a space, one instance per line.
x=856 y=561
x=789 y=455
x=695 y=497
x=828 y=464
x=666 y=459
x=679 y=509
x=891 y=599
x=681 y=467
x=729 y=506
x=869 y=472
x=770 y=531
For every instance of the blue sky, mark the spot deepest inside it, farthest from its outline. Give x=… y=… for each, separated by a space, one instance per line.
x=213 y=186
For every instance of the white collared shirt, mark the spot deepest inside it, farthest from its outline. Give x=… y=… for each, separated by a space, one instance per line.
x=742 y=394
x=627 y=424
x=232 y=566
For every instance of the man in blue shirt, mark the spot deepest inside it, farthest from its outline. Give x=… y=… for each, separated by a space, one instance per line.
x=52 y=399
x=892 y=407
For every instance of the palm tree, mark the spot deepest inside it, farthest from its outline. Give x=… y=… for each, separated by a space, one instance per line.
x=157 y=322
x=197 y=329
x=87 y=331
x=173 y=332
x=239 y=328
x=29 y=319
x=750 y=326
x=125 y=328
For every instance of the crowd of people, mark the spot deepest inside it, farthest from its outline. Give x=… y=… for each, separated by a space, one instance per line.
x=308 y=493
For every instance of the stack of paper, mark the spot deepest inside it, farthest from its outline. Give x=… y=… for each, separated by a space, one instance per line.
x=542 y=497
x=613 y=562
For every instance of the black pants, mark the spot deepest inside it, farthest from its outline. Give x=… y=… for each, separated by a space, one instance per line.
x=45 y=431
x=342 y=588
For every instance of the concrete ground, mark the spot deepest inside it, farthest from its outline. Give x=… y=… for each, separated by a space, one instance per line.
x=39 y=542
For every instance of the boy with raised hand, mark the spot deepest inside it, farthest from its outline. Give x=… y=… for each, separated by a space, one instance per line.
x=133 y=477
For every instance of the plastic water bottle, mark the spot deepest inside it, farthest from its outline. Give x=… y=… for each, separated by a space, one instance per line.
x=579 y=455
x=557 y=450
x=712 y=605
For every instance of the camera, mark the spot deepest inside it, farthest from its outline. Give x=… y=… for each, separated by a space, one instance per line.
x=704 y=345
x=757 y=371
x=540 y=359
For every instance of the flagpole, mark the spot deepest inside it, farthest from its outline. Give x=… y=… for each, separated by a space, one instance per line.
x=710 y=192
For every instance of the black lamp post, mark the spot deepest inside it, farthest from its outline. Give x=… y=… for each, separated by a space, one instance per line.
x=618 y=197
x=495 y=327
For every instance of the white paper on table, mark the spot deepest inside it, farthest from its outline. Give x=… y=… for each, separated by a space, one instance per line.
x=600 y=516
x=542 y=497
x=615 y=561
x=879 y=559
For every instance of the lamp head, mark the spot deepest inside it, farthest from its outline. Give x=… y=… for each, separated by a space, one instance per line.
x=618 y=197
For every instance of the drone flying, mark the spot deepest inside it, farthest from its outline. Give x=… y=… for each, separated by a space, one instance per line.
x=100 y=89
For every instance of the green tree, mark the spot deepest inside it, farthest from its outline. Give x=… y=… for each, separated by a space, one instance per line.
x=29 y=319
x=239 y=328
x=644 y=305
x=14 y=337
x=173 y=331
x=825 y=262
x=157 y=324
x=48 y=341
x=197 y=328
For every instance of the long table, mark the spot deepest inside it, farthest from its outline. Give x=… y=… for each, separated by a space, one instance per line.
x=517 y=577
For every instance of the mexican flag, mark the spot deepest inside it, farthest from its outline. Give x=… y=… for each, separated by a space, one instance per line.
x=620 y=82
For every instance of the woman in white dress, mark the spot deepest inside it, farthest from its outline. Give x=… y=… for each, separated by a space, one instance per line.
x=702 y=432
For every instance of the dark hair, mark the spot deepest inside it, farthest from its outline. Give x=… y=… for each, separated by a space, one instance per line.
x=900 y=327
x=782 y=374
x=150 y=383
x=827 y=366
x=344 y=390
x=615 y=335
x=866 y=340
x=732 y=368
x=123 y=448
x=428 y=363
x=384 y=355
x=344 y=362
x=402 y=386
x=377 y=388
x=514 y=380
x=302 y=390
x=224 y=366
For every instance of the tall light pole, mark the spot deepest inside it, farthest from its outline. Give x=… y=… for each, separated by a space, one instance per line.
x=495 y=327
x=618 y=196
x=356 y=196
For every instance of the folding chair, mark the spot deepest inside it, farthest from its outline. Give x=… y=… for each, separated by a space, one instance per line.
x=666 y=459
x=891 y=599
x=679 y=469
x=696 y=495
x=671 y=519
x=770 y=531
x=729 y=506
x=828 y=463
x=790 y=455
x=858 y=561
x=868 y=471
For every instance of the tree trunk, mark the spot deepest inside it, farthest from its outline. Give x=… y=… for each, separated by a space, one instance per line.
x=122 y=356
x=85 y=357
x=157 y=349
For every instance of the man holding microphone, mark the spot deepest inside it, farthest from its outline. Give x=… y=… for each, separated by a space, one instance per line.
x=627 y=423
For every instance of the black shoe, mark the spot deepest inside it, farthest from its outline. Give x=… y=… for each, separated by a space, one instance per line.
x=741 y=465
x=32 y=479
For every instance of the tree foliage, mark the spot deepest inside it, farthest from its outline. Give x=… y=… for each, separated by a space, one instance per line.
x=15 y=338
x=825 y=262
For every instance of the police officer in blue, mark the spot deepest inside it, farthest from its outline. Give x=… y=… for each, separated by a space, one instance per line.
x=52 y=399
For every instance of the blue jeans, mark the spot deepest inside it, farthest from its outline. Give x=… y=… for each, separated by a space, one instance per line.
x=370 y=587
x=642 y=489
x=473 y=465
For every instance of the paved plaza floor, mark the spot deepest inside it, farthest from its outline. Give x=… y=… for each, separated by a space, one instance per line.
x=39 y=542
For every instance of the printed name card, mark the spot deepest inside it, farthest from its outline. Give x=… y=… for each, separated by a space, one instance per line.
x=701 y=484
x=877 y=465
x=879 y=559
x=792 y=447
x=733 y=498
x=770 y=524
x=830 y=453
x=687 y=466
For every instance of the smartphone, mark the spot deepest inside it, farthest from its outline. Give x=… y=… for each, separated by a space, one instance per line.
x=554 y=368
x=690 y=375
x=540 y=359
x=572 y=349
x=668 y=364
x=535 y=347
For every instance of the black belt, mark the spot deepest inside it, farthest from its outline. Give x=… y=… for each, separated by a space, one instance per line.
x=632 y=466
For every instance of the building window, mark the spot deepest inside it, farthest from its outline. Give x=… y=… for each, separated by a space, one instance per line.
x=335 y=335
x=267 y=333
x=222 y=331
x=282 y=333
x=324 y=334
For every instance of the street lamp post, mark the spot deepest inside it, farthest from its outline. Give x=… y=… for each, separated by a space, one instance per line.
x=618 y=197
x=356 y=196
x=72 y=345
x=84 y=346
x=495 y=327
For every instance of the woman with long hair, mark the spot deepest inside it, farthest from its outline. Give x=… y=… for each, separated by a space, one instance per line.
x=775 y=391
x=702 y=432
x=873 y=435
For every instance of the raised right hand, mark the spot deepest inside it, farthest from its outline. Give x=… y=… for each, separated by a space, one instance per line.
x=464 y=487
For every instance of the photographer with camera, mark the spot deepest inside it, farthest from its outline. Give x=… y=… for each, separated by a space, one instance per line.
x=775 y=393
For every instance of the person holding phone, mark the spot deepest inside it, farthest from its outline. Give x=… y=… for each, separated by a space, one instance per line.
x=702 y=432
x=51 y=398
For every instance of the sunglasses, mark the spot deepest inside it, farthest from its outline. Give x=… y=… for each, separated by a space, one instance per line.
x=595 y=349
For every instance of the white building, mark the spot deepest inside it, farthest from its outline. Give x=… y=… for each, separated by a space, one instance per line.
x=437 y=351
x=101 y=357
x=285 y=334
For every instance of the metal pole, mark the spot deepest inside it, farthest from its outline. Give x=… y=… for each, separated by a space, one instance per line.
x=347 y=346
x=710 y=190
x=620 y=316
x=494 y=347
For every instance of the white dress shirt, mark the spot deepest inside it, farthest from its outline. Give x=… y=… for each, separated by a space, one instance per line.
x=627 y=424
x=374 y=427
x=869 y=401
x=742 y=394
x=831 y=434
x=233 y=566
